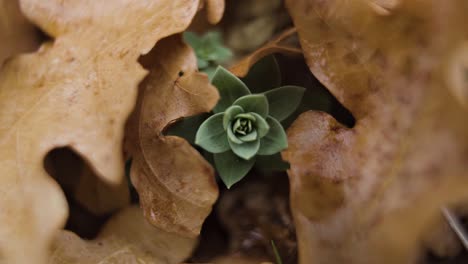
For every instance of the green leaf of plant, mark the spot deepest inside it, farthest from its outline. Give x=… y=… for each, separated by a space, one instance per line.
x=248 y=116
x=193 y=40
x=283 y=101
x=264 y=75
x=275 y=141
x=209 y=47
x=210 y=71
x=211 y=135
x=230 y=113
x=249 y=137
x=231 y=168
x=219 y=54
x=215 y=51
x=255 y=103
x=212 y=38
x=186 y=128
x=230 y=88
x=201 y=63
x=231 y=136
x=261 y=125
x=246 y=150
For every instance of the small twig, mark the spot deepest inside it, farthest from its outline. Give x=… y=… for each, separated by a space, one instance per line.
x=275 y=251
x=456 y=226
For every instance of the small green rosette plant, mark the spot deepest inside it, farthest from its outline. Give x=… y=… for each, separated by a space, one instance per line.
x=209 y=50
x=244 y=125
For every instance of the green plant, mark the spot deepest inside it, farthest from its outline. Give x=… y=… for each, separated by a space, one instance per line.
x=209 y=50
x=245 y=125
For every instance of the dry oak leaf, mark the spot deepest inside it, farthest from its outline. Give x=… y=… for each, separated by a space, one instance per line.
x=367 y=194
x=275 y=45
x=126 y=238
x=77 y=92
x=176 y=185
x=16 y=33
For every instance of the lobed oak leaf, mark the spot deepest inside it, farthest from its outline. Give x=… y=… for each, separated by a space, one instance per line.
x=176 y=185
x=367 y=194
x=76 y=91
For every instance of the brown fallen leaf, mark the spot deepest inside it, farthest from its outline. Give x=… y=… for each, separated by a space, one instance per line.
x=367 y=194
x=126 y=238
x=16 y=33
x=76 y=92
x=175 y=183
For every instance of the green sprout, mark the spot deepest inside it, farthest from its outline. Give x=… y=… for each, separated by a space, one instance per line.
x=244 y=125
x=209 y=50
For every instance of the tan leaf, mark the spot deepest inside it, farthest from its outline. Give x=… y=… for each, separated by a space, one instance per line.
x=76 y=92
x=367 y=194
x=126 y=238
x=176 y=185
x=242 y=67
x=16 y=33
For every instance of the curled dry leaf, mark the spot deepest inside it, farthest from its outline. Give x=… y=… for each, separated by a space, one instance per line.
x=126 y=238
x=373 y=188
x=16 y=33
x=76 y=92
x=175 y=183
x=278 y=44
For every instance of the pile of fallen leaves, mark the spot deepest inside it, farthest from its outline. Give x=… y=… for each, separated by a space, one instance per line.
x=103 y=80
